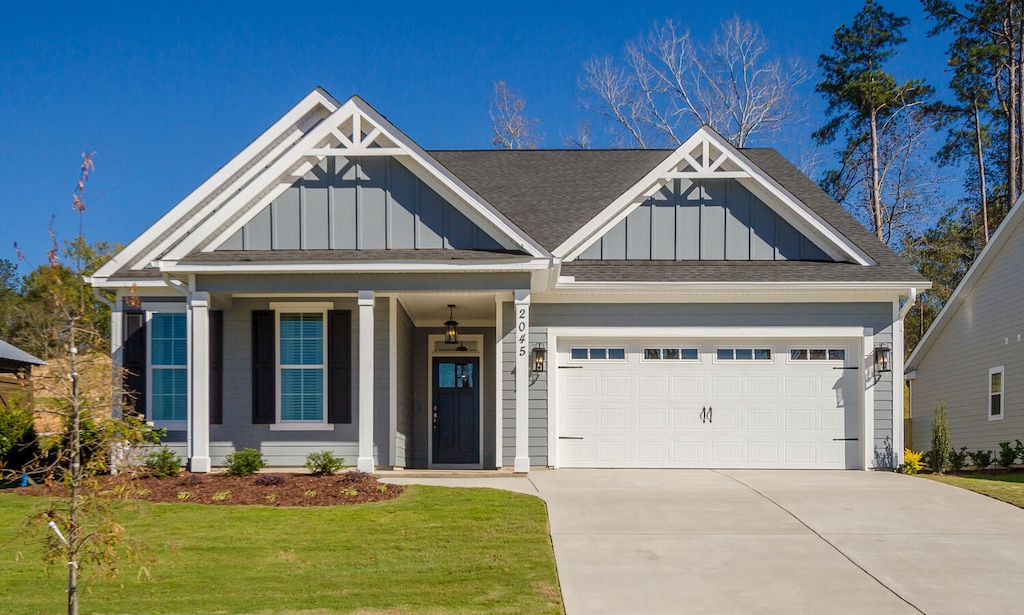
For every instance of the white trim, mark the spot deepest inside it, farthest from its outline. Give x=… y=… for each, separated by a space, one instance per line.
x=198 y=303
x=300 y=308
x=860 y=337
x=316 y=98
x=981 y=264
x=365 y=462
x=1001 y=370
x=301 y=426
x=475 y=352
x=499 y=402
x=393 y=380
x=898 y=438
x=522 y=362
x=830 y=241
x=418 y=266
x=564 y=286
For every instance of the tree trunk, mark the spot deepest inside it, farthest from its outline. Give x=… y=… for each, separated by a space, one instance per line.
x=981 y=169
x=875 y=192
x=76 y=478
x=1012 y=108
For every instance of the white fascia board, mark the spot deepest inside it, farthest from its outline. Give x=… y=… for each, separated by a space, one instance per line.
x=1002 y=235
x=104 y=282
x=464 y=193
x=721 y=295
x=835 y=245
x=662 y=287
x=130 y=252
x=398 y=266
x=707 y=332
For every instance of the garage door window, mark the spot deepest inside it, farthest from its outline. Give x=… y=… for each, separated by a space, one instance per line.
x=817 y=354
x=671 y=354
x=744 y=354
x=597 y=354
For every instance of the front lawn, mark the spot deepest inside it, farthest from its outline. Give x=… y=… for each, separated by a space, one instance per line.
x=433 y=550
x=1006 y=487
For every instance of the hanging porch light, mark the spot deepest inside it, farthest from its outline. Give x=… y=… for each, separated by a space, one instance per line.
x=451 y=327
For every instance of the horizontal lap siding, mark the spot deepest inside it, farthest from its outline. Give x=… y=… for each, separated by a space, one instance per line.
x=404 y=348
x=985 y=332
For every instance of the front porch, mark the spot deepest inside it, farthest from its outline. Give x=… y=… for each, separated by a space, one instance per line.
x=365 y=374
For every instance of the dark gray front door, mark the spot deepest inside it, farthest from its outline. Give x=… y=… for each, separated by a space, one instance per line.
x=456 y=412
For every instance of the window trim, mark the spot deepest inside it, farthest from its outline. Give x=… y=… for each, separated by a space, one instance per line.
x=828 y=350
x=1002 y=393
x=315 y=307
x=167 y=308
x=750 y=361
x=663 y=348
x=606 y=348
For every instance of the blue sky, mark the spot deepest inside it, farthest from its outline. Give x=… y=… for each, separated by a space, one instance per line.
x=166 y=93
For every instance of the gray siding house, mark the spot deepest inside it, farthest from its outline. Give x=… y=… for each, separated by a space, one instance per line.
x=336 y=287
x=972 y=356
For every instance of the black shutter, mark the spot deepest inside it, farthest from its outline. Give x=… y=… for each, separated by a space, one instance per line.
x=339 y=366
x=264 y=389
x=216 y=367
x=133 y=360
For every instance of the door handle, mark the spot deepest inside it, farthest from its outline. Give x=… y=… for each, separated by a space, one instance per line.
x=703 y=411
x=709 y=414
x=435 y=416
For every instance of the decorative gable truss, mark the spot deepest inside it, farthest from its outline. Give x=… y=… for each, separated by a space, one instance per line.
x=321 y=147
x=707 y=201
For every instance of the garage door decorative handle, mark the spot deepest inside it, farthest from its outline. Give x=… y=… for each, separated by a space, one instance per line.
x=709 y=414
x=570 y=437
x=703 y=413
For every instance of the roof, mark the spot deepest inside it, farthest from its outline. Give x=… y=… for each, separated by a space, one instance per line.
x=1014 y=219
x=9 y=352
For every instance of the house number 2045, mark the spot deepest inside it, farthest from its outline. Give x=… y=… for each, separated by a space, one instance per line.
x=521 y=331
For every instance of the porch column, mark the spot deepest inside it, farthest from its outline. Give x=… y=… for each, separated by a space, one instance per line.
x=522 y=341
x=365 y=461
x=199 y=367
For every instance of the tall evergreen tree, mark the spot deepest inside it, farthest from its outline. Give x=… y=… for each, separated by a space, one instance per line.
x=865 y=101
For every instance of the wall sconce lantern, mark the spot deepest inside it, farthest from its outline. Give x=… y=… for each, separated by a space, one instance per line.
x=451 y=327
x=883 y=358
x=539 y=358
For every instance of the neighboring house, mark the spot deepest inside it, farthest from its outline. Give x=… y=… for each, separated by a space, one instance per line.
x=16 y=374
x=972 y=356
x=697 y=307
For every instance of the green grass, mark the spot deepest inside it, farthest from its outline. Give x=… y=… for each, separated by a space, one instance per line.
x=433 y=550
x=1006 y=487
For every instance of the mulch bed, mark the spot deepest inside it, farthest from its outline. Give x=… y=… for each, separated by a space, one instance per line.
x=263 y=489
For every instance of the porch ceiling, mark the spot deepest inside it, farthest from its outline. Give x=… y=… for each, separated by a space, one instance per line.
x=431 y=309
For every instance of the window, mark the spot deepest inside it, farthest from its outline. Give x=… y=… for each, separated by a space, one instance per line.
x=168 y=361
x=301 y=364
x=995 y=393
x=817 y=354
x=671 y=354
x=597 y=354
x=743 y=354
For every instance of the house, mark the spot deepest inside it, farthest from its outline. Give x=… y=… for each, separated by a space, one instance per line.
x=16 y=373
x=336 y=287
x=972 y=356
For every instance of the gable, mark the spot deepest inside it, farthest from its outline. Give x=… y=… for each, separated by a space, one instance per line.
x=703 y=219
x=708 y=201
x=359 y=203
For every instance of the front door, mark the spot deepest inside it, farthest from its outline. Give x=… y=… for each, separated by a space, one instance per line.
x=456 y=411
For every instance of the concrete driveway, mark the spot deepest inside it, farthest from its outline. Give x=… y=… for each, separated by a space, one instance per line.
x=763 y=541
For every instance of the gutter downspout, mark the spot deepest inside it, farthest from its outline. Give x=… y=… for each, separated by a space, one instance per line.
x=99 y=297
x=906 y=307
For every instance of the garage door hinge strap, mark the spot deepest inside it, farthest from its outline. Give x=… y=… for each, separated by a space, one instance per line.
x=570 y=437
x=851 y=367
x=845 y=439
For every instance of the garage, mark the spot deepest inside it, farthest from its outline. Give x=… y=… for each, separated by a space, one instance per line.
x=708 y=403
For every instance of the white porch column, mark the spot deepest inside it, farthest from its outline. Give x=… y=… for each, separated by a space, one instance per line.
x=365 y=461
x=199 y=366
x=522 y=333
x=499 y=372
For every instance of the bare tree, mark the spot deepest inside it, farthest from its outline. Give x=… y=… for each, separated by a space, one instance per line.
x=670 y=84
x=512 y=128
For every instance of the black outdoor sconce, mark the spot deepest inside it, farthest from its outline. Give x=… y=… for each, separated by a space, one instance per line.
x=883 y=358
x=451 y=327
x=540 y=358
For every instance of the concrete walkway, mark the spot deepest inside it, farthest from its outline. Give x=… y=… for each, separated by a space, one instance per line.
x=763 y=541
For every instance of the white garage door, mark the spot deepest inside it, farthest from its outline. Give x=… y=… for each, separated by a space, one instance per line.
x=707 y=404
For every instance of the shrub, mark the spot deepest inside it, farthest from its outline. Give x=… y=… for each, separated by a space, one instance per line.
x=911 y=461
x=926 y=458
x=323 y=463
x=163 y=463
x=18 y=443
x=957 y=459
x=1019 y=447
x=940 y=437
x=981 y=459
x=245 y=462
x=1007 y=454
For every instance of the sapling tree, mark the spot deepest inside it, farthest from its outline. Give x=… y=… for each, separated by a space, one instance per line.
x=940 y=437
x=81 y=525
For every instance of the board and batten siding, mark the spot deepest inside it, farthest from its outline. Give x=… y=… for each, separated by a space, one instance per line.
x=986 y=331
x=361 y=203
x=877 y=316
x=703 y=219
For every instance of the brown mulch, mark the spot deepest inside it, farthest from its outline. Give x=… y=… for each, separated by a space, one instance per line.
x=263 y=489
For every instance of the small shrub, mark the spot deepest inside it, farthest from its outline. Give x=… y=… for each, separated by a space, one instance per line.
x=245 y=462
x=309 y=493
x=911 y=461
x=382 y=488
x=323 y=463
x=1019 y=447
x=349 y=492
x=269 y=480
x=957 y=459
x=940 y=437
x=18 y=443
x=270 y=497
x=163 y=463
x=926 y=459
x=220 y=496
x=184 y=495
x=1007 y=454
x=981 y=459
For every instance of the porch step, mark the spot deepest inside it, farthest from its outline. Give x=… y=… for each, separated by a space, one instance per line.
x=502 y=473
